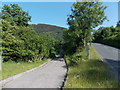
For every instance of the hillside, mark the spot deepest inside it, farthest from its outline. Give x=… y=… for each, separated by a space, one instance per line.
x=40 y=28
x=45 y=28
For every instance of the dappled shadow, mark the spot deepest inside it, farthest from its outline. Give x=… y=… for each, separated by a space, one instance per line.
x=108 y=44
x=54 y=59
x=64 y=66
x=114 y=65
x=96 y=63
x=58 y=59
x=61 y=60
x=72 y=63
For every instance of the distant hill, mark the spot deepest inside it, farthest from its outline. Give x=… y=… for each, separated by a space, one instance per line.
x=45 y=28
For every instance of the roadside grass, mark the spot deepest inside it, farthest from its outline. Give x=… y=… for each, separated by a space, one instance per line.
x=91 y=73
x=11 y=68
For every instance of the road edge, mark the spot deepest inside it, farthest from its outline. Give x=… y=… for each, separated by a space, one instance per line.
x=108 y=65
x=66 y=76
x=3 y=82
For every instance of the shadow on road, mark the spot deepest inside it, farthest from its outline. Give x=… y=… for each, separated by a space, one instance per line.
x=114 y=63
x=114 y=66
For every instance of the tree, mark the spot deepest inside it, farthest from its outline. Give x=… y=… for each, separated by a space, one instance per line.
x=15 y=15
x=108 y=35
x=106 y=32
x=19 y=41
x=118 y=24
x=85 y=16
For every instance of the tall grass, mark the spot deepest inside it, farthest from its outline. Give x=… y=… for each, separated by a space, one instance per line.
x=91 y=73
x=11 y=68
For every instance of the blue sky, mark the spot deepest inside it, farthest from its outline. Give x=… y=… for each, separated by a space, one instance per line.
x=55 y=13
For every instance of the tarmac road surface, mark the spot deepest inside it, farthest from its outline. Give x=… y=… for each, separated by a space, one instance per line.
x=51 y=75
x=111 y=56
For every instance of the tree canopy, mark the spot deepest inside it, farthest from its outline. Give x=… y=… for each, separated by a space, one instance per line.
x=15 y=15
x=106 y=35
x=84 y=18
x=19 y=41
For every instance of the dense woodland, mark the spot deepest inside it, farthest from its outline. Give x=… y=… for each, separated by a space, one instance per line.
x=20 y=41
x=24 y=42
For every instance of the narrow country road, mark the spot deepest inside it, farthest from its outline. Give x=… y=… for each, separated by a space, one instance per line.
x=51 y=75
x=110 y=56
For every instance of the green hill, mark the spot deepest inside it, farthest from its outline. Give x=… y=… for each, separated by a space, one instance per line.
x=45 y=28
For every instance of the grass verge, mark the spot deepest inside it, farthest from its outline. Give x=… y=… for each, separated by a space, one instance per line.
x=11 y=68
x=91 y=73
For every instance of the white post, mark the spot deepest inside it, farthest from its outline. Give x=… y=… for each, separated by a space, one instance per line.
x=88 y=50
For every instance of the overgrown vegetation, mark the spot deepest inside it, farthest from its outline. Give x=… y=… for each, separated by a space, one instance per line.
x=83 y=19
x=108 y=35
x=82 y=72
x=20 y=42
x=22 y=47
x=91 y=73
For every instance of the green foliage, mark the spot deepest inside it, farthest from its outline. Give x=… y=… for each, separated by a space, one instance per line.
x=108 y=35
x=55 y=31
x=22 y=43
x=19 y=41
x=84 y=17
x=118 y=24
x=91 y=73
x=12 y=68
x=15 y=15
x=48 y=45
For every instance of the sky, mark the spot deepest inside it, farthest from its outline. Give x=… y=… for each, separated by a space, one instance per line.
x=55 y=13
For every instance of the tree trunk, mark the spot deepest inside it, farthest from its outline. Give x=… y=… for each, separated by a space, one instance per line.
x=88 y=51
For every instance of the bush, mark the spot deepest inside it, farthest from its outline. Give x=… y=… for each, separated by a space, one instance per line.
x=52 y=55
x=19 y=39
x=105 y=36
